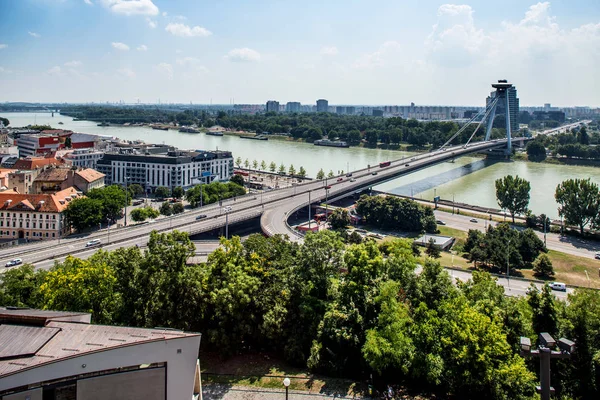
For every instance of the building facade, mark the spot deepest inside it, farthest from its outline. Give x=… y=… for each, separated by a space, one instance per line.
x=52 y=141
x=83 y=158
x=272 y=105
x=293 y=106
x=170 y=169
x=34 y=216
x=322 y=105
x=513 y=107
x=62 y=356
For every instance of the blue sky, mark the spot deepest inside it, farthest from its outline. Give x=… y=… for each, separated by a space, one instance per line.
x=348 y=51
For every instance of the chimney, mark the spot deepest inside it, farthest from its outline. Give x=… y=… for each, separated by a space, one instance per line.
x=15 y=189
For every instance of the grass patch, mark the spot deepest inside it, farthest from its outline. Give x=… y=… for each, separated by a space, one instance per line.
x=456 y=233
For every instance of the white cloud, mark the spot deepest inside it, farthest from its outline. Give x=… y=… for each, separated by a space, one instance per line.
x=56 y=71
x=243 y=55
x=120 y=46
x=126 y=72
x=3 y=46
x=131 y=7
x=166 y=69
x=387 y=54
x=35 y=35
x=329 y=51
x=142 y=47
x=152 y=24
x=183 y=30
x=73 y=64
x=88 y=2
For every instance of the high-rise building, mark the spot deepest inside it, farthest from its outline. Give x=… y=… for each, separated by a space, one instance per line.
x=292 y=106
x=378 y=113
x=322 y=105
x=272 y=105
x=340 y=110
x=350 y=110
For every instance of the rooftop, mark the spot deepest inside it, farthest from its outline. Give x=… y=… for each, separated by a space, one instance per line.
x=53 y=175
x=55 y=202
x=90 y=174
x=36 y=162
x=24 y=345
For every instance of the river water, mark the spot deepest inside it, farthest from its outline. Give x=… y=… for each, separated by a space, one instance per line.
x=468 y=179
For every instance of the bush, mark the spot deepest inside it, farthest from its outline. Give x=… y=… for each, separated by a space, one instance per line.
x=177 y=208
x=166 y=209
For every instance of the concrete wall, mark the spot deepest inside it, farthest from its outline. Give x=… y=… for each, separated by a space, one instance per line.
x=33 y=394
x=180 y=366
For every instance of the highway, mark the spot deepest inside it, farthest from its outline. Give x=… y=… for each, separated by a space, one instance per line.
x=274 y=207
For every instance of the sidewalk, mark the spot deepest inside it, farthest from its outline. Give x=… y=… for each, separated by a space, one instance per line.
x=218 y=391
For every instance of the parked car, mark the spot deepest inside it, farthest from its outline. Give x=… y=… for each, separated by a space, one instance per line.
x=473 y=220
x=440 y=222
x=598 y=256
x=201 y=216
x=93 y=243
x=137 y=202
x=13 y=262
x=558 y=286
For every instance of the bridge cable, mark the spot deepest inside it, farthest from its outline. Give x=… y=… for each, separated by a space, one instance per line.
x=489 y=110
x=463 y=128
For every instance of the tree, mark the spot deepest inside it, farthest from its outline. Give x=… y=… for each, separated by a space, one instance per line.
x=292 y=170
x=255 y=164
x=432 y=250
x=166 y=209
x=512 y=194
x=20 y=287
x=82 y=285
x=178 y=192
x=68 y=143
x=113 y=199
x=272 y=167
x=321 y=174
x=83 y=213
x=263 y=165
x=162 y=192
x=135 y=189
x=543 y=266
x=302 y=172
x=238 y=162
x=536 y=151
x=330 y=174
x=339 y=219
x=282 y=169
x=142 y=213
x=178 y=208
x=5 y=121
x=579 y=201
x=238 y=179
x=582 y=136
x=246 y=163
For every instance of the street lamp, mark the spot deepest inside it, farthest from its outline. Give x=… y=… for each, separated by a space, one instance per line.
x=309 y=210
x=126 y=198
x=508 y=263
x=286 y=383
x=545 y=353
x=227 y=210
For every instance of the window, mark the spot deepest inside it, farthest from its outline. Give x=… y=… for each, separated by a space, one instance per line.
x=53 y=234
x=53 y=216
x=27 y=215
x=27 y=225
x=34 y=225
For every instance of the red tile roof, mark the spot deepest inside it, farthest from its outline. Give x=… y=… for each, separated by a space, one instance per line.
x=90 y=174
x=56 y=202
x=36 y=162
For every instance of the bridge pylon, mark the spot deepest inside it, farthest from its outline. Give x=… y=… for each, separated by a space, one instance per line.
x=501 y=95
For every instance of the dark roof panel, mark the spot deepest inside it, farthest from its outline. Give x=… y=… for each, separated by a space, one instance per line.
x=31 y=340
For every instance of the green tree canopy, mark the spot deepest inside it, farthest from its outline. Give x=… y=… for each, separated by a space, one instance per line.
x=162 y=192
x=579 y=201
x=512 y=194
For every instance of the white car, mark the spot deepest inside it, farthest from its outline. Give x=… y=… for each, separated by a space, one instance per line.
x=598 y=256
x=93 y=243
x=12 y=263
x=558 y=286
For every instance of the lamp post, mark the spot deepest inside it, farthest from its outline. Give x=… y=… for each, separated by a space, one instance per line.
x=286 y=383
x=309 y=210
x=227 y=210
x=508 y=263
x=545 y=353
x=126 y=197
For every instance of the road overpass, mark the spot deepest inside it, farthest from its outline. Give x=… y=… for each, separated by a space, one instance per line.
x=273 y=207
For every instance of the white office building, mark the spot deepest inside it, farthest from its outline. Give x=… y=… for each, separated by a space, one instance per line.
x=152 y=167
x=84 y=158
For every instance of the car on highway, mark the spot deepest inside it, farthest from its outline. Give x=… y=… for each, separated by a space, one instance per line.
x=374 y=173
x=349 y=174
x=328 y=187
x=13 y=262
x=440 y=222
x=473 y=220
x=598 y=256
x=406 y=165
x=201 y=216
x=352 y=180
x=340 y=179
x=558 y=286
x=93 y=243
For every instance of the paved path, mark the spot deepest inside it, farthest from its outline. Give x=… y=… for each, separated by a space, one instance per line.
x=218 y=391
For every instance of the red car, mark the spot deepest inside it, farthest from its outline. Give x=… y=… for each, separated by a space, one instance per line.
x=340 y=179
x=327 y=187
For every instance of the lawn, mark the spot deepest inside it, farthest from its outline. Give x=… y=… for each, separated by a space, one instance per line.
x=567 y=268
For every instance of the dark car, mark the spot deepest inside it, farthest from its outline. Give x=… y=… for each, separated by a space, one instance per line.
x=201 y=216
x=374 y=173
x=349 y=174
x=340 y=179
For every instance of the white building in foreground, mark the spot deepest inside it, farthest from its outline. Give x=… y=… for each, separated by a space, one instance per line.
x=61 y=356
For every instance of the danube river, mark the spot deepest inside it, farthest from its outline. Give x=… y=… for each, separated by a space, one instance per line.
x=468 y=179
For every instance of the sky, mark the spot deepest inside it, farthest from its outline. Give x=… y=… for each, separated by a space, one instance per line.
x=347 y=51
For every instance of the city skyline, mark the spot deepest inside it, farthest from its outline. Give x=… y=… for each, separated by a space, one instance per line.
x=430 y=54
